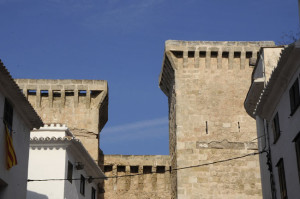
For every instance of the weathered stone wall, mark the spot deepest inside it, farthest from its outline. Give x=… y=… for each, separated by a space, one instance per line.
x=150 y=177
x=80 y=104
x=211 y=83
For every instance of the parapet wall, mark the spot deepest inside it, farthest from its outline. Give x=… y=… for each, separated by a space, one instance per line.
x=150 y=176
x=80 y=104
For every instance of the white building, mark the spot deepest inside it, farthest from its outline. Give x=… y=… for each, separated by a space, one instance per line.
x=273 y=100
x=20 y=117
x=63 y=164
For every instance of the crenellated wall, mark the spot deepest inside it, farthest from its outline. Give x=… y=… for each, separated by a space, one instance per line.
x=206 y=84
x=149 y=176
x=80 y=104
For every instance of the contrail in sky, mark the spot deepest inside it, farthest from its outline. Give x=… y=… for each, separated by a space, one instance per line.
x=137 y=125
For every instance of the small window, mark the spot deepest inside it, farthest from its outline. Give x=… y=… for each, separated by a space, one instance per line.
x=237 y=54
x=134 y=169
x=282 y=182
x=56 y=94
x=82 y=184
x=147 y=169
x=70 y=172
x=107 y=168
x=297 y=145
x=294 y=97
x=69 y=93
x=248 y=54
x=191 y=54
x=214 y=54
x=82 y=93
x=276 y=128
x=178 y=54
x=225 y=54
x=202 y=54
x=95 y=93
x=121 y=168
x=93 y=196
x=44 y=93
x=160 y=169
x=31 y=92
x=8 y=115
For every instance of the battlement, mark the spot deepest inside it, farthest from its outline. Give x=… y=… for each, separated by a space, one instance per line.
x=80 y=104
x=208 y=55
x=148 y=176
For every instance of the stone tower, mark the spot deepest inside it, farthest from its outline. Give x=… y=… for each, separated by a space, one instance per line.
x=206 y=84
x=80 y=104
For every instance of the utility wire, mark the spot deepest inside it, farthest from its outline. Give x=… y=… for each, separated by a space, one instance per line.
x=169 y=170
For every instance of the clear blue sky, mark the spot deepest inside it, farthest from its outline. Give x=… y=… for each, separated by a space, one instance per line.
x=122 y=41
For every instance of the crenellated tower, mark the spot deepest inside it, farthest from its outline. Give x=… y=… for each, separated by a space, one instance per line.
x=206 y=84
x=80 y=104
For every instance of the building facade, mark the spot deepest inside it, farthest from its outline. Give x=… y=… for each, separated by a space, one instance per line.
x=206 y=84
x=56 y=154
x=19 y=116
x=274 y=101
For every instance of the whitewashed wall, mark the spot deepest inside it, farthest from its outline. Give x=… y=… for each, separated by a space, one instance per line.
x=46 y=163
x=285 y=147
x=52 y=163
x=16 y=177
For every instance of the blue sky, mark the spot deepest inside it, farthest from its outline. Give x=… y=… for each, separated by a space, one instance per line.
x=122 y=41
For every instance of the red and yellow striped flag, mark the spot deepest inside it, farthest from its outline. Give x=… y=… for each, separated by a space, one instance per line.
x=11 y=157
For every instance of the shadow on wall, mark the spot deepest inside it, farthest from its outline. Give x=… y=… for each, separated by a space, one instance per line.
x=35 y=195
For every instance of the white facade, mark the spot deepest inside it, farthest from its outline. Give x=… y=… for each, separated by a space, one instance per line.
x=51 y=150
x=13 y=181
x=270 y=104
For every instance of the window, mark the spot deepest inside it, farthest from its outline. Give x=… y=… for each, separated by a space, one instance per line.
x=160 y=169
x=202 y=54
x=225 y=54
x=134 y=169
x=107 y=168
x=70 y=171
x=276 y=128
x=82 y=184
x=297 y=145
x=121 y=168
x=93 y=196
x=294 y=97
x=8 y=115
x=147 y=169
x=214 y=54
x=191 y=54
x=281 y=175
x=44 y=93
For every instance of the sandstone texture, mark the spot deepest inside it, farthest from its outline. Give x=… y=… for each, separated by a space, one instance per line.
x=206 y=84
x=145 y=176
x=80 y=104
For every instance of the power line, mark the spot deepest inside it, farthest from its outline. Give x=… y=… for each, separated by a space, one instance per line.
x=169 y=170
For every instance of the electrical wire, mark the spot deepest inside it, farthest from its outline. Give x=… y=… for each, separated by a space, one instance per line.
x=169 y=170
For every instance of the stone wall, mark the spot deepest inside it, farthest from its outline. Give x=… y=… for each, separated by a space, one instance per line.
x=149 y=176
x=211 y=80
x=80 y=104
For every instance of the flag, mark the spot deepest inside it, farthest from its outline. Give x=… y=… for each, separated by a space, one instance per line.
x=11 y=158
